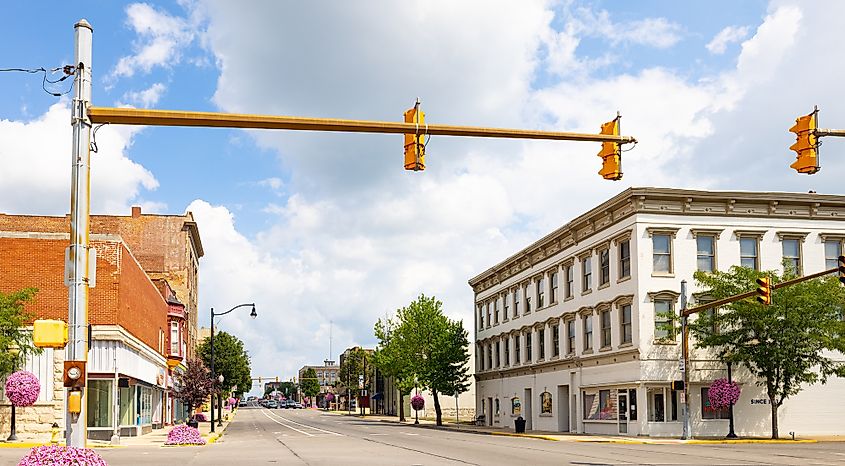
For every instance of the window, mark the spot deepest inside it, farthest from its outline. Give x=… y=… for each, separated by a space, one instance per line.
x=625 y=324
x=490 y=356
x=832 y=251
x=127 y=406
x=586 y=274
x=553 y=295
x=175 y=341
x=541 y=293
x=488 y=313
x=625 y=259
x=792 y=254
x=545 y=403
x=662 y=404
x=516 y=302
x=145 y=402
x=481 y=317
x=498 y=357
x=516 y=348
x=99 y=403
x=664 y=320
x=604 y=267
x=541 y=343
x=706 y=252
x=662 y=254
x=707 y=411
x=497 y=407
x=588 y=332
x=505 y=298
x=748 y=256
x=555 y=340
x=527 y=300
x=570 y=336
x=495 y=311
x=601 y=406
x=528 y=346
x=506 y=345
x=605 y=329
x=570 y=280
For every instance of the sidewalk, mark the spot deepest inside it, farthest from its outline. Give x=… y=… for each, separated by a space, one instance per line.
x=567 y=437
x=159 y=436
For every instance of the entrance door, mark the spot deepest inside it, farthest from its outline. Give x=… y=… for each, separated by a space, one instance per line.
x=563 y=408
x=526 y=409
x=622 y=403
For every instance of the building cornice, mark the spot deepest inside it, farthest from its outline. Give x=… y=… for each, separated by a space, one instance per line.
x=663 y=201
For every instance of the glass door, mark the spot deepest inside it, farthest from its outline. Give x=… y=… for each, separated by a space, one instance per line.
x=622 y=403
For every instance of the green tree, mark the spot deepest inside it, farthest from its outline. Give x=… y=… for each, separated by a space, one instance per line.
x=391 y=359
x=309 y=384
x=230 y=360
x=13 y=320
x=436 y=346
x=782 y=344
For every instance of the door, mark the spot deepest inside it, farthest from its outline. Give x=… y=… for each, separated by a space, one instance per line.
x=489 y=411
x=563 y=408
x=622 y=403
x=526 y=409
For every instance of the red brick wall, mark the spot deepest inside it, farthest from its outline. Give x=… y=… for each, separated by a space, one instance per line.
x=143 y=311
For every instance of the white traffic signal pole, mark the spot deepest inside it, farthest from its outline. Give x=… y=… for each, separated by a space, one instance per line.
x=78 y=263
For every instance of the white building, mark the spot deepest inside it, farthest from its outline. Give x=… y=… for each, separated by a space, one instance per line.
x=567 y=330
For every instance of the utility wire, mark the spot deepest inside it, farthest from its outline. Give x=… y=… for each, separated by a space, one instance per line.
x=67 y=70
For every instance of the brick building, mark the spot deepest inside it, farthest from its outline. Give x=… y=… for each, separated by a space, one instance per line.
x=142 y=311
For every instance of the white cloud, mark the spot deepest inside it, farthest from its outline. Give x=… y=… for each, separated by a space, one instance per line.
x=162 y=38
x=728 y=35
x=653 y=32
x=36 y=167
x=147 y=97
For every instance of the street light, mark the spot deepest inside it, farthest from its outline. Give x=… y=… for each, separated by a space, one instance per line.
x=252 y=314
x=220 y=403
x=731 y=433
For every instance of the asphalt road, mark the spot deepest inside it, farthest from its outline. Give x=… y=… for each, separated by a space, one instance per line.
x=309 y=437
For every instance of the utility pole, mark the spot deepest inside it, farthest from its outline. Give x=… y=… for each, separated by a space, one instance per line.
x=78 y=251
x=685 y=367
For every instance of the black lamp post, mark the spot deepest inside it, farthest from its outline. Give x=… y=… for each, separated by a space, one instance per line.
x=220 y=403
x=731 y=433
x=252 y=314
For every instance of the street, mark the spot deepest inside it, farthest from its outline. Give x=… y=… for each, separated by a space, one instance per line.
x=262 y=436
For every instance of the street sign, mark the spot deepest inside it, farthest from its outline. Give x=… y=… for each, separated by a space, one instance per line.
x=681 y=366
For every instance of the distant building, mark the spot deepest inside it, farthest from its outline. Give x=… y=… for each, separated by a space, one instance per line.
x=327 y=375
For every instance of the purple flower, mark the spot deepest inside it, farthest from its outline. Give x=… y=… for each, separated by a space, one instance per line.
x=184 y=434
x=417 y=402
x=329 y=397
x=59 y=455
x=723 y=393
x=22 y=388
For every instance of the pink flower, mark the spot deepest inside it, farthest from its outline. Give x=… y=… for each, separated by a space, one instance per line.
x=184 y=434
x=417 y=402
x=723 y=393
x=329 y=397
x=59 y=455
x=22 y=388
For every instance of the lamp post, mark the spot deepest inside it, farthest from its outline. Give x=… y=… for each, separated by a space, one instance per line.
x=252 y=314
x=731 y=433
x=14 y=350
x=220 y=402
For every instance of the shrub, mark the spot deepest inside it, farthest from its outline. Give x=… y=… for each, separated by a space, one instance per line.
x=59 y=455
x=184 y=434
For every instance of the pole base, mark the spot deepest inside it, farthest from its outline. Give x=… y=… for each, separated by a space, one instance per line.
x=12 y=437
x=115 y=440
x=731 y=435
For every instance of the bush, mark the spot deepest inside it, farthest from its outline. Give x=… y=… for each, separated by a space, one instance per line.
x=184 y=435
x=55 y=455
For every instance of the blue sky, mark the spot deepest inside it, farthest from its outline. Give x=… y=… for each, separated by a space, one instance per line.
x=319 y=227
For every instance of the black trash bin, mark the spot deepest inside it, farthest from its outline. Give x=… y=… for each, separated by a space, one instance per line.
x=519 y=425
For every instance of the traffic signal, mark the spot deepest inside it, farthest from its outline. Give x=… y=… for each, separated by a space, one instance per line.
x=764 y=291
x=414 y=147
x=677 y=385
x=806 y=144
x=611 y=152
x=842 y=269
x=277 y=379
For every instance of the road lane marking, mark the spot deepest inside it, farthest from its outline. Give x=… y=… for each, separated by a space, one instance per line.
x=307 y=426
x=285 y=425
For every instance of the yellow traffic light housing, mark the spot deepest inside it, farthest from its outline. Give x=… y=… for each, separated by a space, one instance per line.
x=764 y=291
x=414 y=147
x=806 y=143
x=47 y=333
x=611 y=152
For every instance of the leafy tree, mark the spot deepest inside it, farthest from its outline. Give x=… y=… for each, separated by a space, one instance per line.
x=782 y=344
x=436 y=346
x=13 y=320
x=391 y=359
x=230 y=360
x=193 y=385
x=309 y=384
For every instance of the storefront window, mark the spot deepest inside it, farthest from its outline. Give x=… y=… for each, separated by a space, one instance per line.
x=127 y=406
x=662 y=404
x=545 y=403
x=145 y=401
x=516 y=406
x=600 y=406
x=99 y=403
x=707 y=411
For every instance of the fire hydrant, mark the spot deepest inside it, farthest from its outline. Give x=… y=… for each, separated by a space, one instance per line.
x=55 y=430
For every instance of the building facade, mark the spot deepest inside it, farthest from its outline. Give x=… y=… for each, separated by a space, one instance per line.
x=571 y=331
x=327 y=375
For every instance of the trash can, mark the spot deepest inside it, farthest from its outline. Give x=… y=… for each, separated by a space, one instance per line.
x=519 y=425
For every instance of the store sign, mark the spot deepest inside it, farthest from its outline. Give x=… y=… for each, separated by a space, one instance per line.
x=760 y=401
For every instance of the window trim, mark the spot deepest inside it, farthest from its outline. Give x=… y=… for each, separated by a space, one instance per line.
x=714 y=234
x=586 y=279
x=604 y=283
x=664 y=295
x=799 y=237
x=671 y=232
x=748 y=235
x=603 y=310
x=569 y=277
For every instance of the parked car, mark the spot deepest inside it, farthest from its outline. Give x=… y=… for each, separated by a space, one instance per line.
x=272 y=404
x=297 y=405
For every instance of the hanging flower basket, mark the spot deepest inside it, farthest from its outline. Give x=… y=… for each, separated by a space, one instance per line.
x=723 y=393
x=417 y=402
x=22 y=388
x=329 y=397
x=60 y=455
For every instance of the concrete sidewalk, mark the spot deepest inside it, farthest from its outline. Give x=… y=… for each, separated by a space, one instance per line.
x=567 y=437
x=159 y=436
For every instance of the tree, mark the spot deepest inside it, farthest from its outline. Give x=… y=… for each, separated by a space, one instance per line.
x=782 y=344
x=436 y=346
x=390 y=358
x=309 y=384
x=13 y=320
x=193 y=385
x=230 y=360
